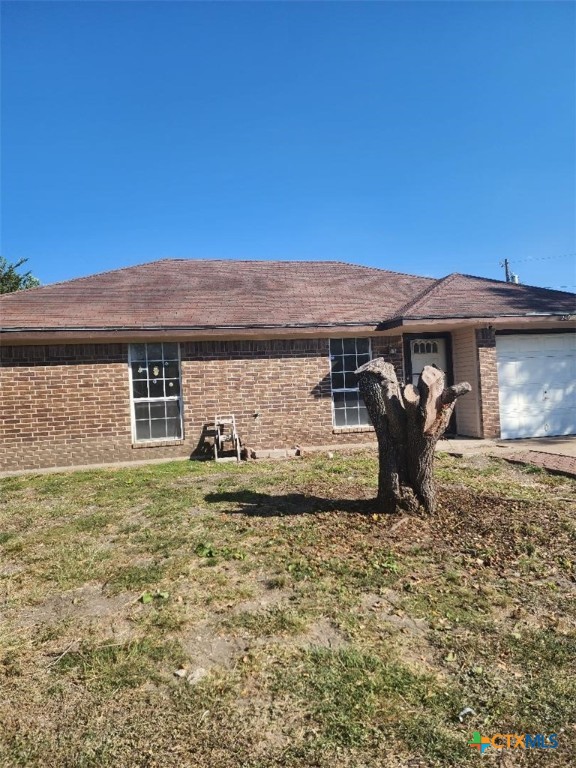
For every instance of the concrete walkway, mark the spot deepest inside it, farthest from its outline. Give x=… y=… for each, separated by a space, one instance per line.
x=556 y=454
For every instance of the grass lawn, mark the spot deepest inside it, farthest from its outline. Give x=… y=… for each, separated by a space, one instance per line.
x=261 y=615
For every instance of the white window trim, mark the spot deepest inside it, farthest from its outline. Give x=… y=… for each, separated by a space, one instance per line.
x=133 y=400
x=346 y=427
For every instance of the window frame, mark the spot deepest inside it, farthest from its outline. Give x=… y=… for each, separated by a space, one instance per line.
x=175 y=398
x=368 y=424
x=417 y=344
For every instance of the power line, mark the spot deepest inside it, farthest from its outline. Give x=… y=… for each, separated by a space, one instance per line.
x=528 y=258
x=511 y=277
x=545 y=258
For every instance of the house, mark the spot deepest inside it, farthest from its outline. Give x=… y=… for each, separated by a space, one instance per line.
x=132 y=363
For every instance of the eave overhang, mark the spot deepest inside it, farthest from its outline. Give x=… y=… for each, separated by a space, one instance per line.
x=123 y=334
x=184 y=333
x=405 y=323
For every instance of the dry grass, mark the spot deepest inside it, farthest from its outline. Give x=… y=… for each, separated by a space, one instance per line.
x=307 y=630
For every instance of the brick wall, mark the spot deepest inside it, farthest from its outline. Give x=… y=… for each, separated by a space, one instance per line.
x=63 y=405
x=70 y=404
x=488 y=383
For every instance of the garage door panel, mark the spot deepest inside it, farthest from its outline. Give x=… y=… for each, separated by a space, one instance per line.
x=532 y=347
x=527 y=397
x=512 y=372
x=561 y=396
x=559 y=422
x=528 y=414
x=566 y=342
x=562 y=422
x=508 y=370
x=529 y=425
x=537 y=384
x=514 y=347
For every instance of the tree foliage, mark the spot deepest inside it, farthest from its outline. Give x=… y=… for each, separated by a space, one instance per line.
x=11 y=280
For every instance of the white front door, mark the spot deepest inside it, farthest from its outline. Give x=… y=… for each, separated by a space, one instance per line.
x=427 y=352
x=537 y=384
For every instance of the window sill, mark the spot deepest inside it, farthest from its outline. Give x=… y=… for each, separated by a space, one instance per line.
x=351 y=430
x=158 y=443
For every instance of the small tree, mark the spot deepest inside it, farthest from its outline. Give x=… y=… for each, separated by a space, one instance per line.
x=11 y=281
x=408 y=421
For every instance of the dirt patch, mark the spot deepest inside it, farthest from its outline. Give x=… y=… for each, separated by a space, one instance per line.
x=10 y=569
x=86 y=602
x=409 y=635
x=322 y=634
x=474 y=461
x=206 y=649
x=268 y=599
x=386 y=607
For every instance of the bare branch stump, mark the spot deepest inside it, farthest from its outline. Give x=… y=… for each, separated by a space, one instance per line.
x=408 y=422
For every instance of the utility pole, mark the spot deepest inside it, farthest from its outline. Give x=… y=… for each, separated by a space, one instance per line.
x=506 y=266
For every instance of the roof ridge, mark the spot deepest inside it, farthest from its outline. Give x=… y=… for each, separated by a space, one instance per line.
x=298 y=261
x=413 y=302
x=259 y=261
x=442 y=282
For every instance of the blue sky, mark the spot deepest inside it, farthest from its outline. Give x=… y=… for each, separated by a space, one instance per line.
x=424 y=137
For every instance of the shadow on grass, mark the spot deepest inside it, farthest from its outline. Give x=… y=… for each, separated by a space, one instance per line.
x=255 y=504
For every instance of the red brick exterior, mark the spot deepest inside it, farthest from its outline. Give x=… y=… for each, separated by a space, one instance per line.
x=68 y=405
x=63 y=405
x=488 y=383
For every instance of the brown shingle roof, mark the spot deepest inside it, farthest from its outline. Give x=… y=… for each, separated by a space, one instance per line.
x=468 y=296
x=197 y=294
x=186 y=293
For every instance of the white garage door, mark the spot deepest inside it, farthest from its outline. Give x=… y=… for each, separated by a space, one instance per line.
x=537 y=384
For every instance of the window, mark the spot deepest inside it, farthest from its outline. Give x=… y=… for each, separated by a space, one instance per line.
x=424 y=347
x=346 y=355
x=155 y=384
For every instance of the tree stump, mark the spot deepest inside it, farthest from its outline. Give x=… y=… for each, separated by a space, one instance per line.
x=408 y=421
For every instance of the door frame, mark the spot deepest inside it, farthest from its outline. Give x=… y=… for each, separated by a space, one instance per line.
x=407 y=338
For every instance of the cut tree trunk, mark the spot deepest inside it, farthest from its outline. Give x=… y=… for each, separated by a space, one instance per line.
x=408 y=421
